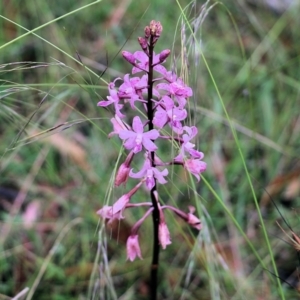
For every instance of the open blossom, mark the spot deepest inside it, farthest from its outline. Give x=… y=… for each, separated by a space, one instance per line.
x=167 y=112
x=187 y=146
x=150 y=173
x=133 y=247
x=178 y=89
x=113 y=99
x=132 y=88
x=195 y=167
x=137 y=138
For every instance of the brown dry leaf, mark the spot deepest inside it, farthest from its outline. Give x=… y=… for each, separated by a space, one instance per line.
x=118 y=13
x=293 y=189
x=118 y=230
x=69 y=148
x=218 y=166
x=82 y=271
x=66 y=147
x=277 y=184
x=228 y=256
x=9 y=29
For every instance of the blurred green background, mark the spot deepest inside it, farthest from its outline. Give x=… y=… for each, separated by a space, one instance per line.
x=57 y=164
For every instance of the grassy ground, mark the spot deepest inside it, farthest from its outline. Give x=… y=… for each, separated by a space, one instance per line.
x=57 y=164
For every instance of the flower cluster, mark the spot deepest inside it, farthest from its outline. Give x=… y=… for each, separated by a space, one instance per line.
x=163 y=97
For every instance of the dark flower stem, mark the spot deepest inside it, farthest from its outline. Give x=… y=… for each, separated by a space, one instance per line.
x=155 y=213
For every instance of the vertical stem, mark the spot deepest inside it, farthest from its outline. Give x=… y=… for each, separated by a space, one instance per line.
x=155 y=214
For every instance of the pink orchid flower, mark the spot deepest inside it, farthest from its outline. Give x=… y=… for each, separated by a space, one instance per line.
x=150 y=173
x=118 y=125
x=195 y=167
x=137 y=138
x=132 y=88
x=113 y=99
x=178 y=89
x=191 y=132
x=167 y=112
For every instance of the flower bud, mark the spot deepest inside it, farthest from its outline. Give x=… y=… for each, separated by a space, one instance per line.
x=122 y=175
x=124 y=169
x=133 y=248
x=147 y=32
x=144 y=44
x=155 y=28
x=118 y=125
x=163 y=55
x=129 y=57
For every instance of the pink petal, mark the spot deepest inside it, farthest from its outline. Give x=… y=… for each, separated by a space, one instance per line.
x=139 y=174
x=137 y=70
x=160 y=175
x=152 y=134
x=164 y=235
x=141 y=56
x=118 y=126
x=143 y=171
x=130 y=144
x=142 y=83
x=181 y=101
x=169 y=103
x=137 y=125
x=105 y=212
x=178 y=114
x=133 y=248
x=160 y=118
x=196 y=154
x=137 y=148
x=195 y=167
x=149 y=145
x=150 y=183
x=163 y=86
x=104 y=103
x=179 y=159
x=120 y=204
x=126 y=134
x=160 y=69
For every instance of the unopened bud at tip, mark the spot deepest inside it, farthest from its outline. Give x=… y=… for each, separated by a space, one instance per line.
x=155 y=28
x=143 y=43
